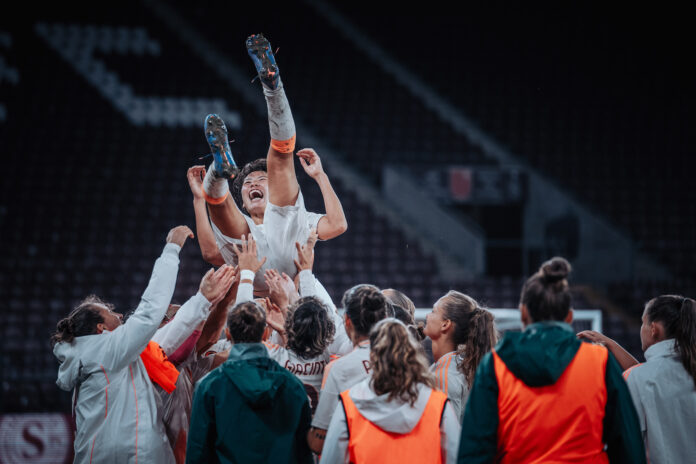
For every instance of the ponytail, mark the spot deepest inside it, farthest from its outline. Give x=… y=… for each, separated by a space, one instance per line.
x=81 y=321
x=685 y=336
x=678 y=316
x=474 y=331
x=546 y=294
x=396 y=362
x=482 y=338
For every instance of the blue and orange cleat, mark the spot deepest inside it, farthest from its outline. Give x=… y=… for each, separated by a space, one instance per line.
x=261 y=54
x=216 y=134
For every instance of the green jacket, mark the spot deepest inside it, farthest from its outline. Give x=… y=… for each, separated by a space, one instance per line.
x=249 y=410
x=538 y=357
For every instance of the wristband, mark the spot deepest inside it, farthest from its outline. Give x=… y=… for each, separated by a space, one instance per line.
x=246 y=274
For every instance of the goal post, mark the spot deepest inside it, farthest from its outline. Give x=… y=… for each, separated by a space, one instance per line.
x=509 y=319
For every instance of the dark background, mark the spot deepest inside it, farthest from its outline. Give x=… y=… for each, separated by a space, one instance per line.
x=599 y=101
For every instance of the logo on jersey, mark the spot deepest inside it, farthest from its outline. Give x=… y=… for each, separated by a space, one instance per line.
x=310 y=368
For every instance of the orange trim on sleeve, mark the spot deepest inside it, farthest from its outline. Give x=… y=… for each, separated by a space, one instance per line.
x=446 y=375
x=283 y=146
x=627 y=372
x=106 y=391
x=326 y=373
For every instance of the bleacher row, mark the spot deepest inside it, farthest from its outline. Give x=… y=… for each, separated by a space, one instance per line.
x=591 y=100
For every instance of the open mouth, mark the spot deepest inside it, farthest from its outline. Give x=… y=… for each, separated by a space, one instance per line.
x=256 y=194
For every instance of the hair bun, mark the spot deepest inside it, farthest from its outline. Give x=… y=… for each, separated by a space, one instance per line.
x=555 y=269
x=374 y=301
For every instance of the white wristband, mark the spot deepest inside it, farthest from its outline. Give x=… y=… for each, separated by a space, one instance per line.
x=246 y=274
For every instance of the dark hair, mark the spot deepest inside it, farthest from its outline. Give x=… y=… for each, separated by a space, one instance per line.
x=365 y=306
x=309 y=327
x=246 y=322
x=404 y=316
x=474 y=332
x=546 y=294
x=678 y=316
x=252 y=166
x=81 y=321
x=396 y=361
x=398 y=298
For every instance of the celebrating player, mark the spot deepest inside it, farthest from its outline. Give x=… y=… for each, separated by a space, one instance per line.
x=272 y=207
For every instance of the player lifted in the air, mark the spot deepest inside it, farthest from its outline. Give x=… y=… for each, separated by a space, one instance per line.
x=273 y=209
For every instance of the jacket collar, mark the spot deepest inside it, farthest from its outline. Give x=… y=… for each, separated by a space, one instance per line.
x=244 y=351
x=663 y=349
x=537 y=326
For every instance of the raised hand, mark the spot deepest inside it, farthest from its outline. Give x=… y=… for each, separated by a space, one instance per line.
x=594 y=337
x=215 y=284
x=179 y=234
x=275 y=318
x=305 y=253
x=195 y=177
x=310 y=162
x=281 y=288
x=231 y=294
x=247 y=257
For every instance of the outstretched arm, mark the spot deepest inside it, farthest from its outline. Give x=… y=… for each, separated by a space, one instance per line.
x=623 y=357
x=123 y=345
x=216 y=320
x=212 y=288
x=334 y=222
x=206 y=238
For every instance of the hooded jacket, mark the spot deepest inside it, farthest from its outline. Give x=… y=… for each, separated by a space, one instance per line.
x=395 y=416
x=249 y=409
x=114 y=401
x=536 y=361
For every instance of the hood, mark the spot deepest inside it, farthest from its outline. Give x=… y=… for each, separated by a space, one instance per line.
x=257 y=377
x=539 y=355
x=395 y=416
x=69 y=371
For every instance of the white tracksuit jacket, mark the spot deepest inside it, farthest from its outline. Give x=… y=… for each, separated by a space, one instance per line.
x=115 y=406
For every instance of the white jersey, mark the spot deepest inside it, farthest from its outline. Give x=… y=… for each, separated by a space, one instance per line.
x=451 y=382
x=339 y=376
x=310 y=371
x=275 y=239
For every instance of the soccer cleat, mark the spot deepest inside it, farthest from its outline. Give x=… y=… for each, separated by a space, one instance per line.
x=261 y=54
x=216 y=134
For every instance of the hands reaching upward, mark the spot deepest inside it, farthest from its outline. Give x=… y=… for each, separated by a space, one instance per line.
x=305 y=253
x=247 y=255
x=282 y=288
x=215 y=284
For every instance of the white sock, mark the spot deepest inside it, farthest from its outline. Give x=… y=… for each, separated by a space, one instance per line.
x=215 y=188
x=280 y=121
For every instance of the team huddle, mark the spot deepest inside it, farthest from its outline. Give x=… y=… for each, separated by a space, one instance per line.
x=260 y=366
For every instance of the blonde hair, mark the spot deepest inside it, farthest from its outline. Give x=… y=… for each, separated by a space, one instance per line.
x=396 y=362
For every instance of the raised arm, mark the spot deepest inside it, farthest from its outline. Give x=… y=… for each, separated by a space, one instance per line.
x=217 y=319
x=206 y=238
x=124 y=345
x=307 y=282
x=248 y=264
x=334 y=222
x=623 y=357
x=213 y=287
